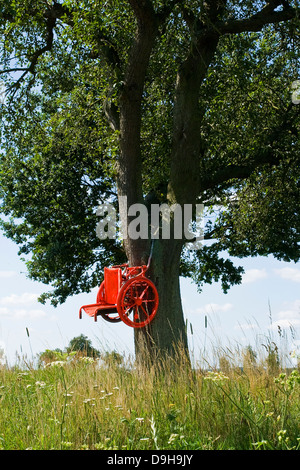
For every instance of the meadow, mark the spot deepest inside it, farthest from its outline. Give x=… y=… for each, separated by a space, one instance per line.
x=81 y=403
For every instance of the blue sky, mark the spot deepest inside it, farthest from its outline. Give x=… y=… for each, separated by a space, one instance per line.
x=251 y=312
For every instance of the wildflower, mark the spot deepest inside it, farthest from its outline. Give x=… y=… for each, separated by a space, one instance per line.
x=21 y=374
x=56 y=364
x=172 y=438
x=217 y=377
x=89 y=400
x=66 y=445
x=87 y=360
x=84 y=447
x=139 y=419
x=281 y=435
x=99 y=446
x=280 y=379
x=259 y=444
x=40 y=384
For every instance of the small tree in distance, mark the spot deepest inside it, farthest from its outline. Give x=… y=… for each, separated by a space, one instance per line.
x=82 y=344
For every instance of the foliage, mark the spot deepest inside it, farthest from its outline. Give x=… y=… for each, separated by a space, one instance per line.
x=65 y=66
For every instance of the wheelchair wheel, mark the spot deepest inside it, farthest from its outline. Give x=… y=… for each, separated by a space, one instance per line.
x=137 y=302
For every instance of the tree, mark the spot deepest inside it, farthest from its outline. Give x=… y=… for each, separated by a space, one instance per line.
x=156 y=101
x=84 y=345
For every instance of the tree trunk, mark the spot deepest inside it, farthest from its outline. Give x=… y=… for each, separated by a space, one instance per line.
x=166 y=334
x=162 y=337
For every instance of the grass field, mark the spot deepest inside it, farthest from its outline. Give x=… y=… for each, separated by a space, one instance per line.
x=80 y=403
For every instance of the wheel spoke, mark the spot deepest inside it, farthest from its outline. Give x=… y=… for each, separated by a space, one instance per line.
x=144 y=291
x=136 y=313
x=146 y=313
x=126 y=311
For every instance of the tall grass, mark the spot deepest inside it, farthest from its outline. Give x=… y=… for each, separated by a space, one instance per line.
x=84 y=404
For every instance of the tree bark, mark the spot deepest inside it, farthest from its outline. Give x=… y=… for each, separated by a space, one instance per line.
x=166 y=335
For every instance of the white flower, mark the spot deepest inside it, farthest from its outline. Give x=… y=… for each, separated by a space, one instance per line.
x=40 y=384
x=89 y=400
x=218 y=377
x=56 y=364
x=172 y=438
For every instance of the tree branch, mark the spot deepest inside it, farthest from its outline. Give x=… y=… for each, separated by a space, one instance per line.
x=256 y=22
x=58 y=12
x=269 y=157
x=143 y=9
x=50 y=25
x=14 y=69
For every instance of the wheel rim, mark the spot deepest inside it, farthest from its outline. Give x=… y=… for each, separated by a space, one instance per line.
x=137 y=302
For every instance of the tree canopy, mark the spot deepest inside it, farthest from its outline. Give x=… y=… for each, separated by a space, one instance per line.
x=166 y=101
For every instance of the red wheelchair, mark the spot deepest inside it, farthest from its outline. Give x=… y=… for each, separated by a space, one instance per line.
x=127 y=295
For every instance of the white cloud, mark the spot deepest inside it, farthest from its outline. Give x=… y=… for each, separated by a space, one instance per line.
x=253 y=275
x=19 y=299
x=22 y=313
x=292 y=274
x=29 y=314
x=214 y=308
x=7 y=274
x=246 y=326
x=21 y=306
x=4 y=312
x=289 y=317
